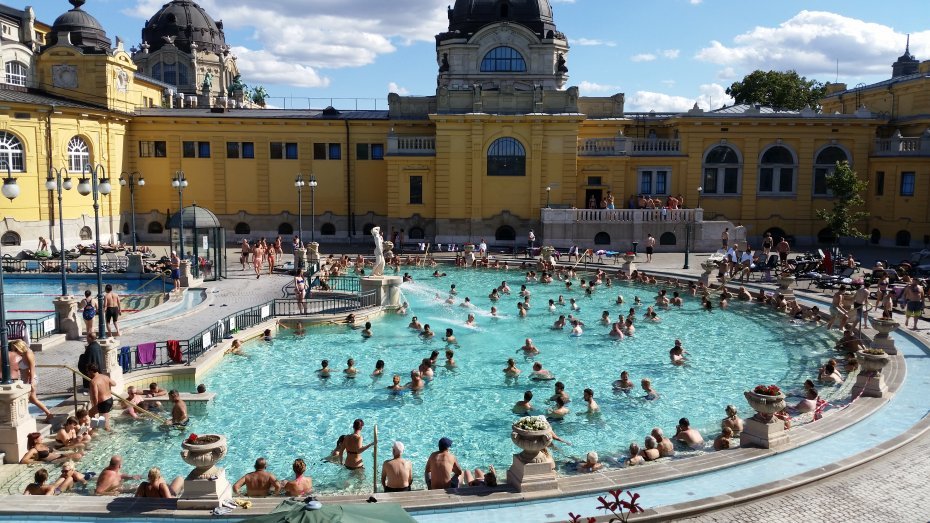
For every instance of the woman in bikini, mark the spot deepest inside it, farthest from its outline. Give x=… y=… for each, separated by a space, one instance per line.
x=271 y=253
x=301 y=485
x=258 y=258
x=354 y=447
x=300 y=291
x=156 y=487
x=38 y=451
x=23 y=366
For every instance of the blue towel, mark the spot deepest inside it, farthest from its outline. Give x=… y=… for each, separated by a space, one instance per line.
x=125 y=358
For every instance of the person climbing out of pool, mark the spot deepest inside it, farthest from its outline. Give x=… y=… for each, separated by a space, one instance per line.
x=101 y=395
x=525 y=405
x=442 y=468
x=354 y=445
x=258 y=484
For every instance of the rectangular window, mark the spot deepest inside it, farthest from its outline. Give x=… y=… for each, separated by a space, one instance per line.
x=190 y=149
x=645 y=182
x=766 y=179
x=232 y=150
x=710 y=181
x=731 y=180
x=319 y=151
x=248 y=150
x=277 y=151
x=416 y=190
x=880 y=183
x=377 y=151
x=594 y=180
x=786 y=180
x=335 y=151
x=361 y=151
x=203 y=149
x=155 y=149
x=290 y=151
x=907 y=184
x=283 y=151
x=820 y=182
x=196 y=149
x=661 y=182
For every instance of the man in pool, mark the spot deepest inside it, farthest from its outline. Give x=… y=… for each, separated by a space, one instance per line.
x=442 y=468
x=416 y=381
x=524 y=406
x=179 y=410
x=593 y=407
x=324 y=369
x=449 y=337
x=101 y=395
x=623 y=384
x=690 y=437
x=415 y=324
x=258 y=484
x=560 y=410
x=395 y=385
x=397 y=473
x=560 y=393
x=651 y=393
x=354 y=446
x=528 y=348
x=366 y=332
x=677 y=354
x=427 y=332
x=664 y=445
x=110 y=480
x=540 y=374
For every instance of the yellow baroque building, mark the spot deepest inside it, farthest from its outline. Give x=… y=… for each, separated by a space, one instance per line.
x=503 y=145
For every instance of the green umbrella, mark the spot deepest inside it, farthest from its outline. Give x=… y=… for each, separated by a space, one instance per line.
x=294 y=512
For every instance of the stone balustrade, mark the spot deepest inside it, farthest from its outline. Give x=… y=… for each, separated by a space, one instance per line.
x=553 y=216
x=412 y=145
x=622 y=146
x=899 y=145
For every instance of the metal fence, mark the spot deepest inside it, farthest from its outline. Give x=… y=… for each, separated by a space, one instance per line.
x=327 y=305
x=341 y=283
x=39 y=328
x=110 y=264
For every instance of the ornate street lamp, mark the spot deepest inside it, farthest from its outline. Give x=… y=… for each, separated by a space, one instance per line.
x=312 y=184
x=299 y=183
x=548 y=192
x=98 y=184
x=10 y=191
x=179 y=182
x=54 y=182
x=130 y=180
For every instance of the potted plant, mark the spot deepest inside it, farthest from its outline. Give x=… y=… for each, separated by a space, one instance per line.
x=785 y=279
x=629 y=256
x=468 y=247
x=766 y=400
x=532 y=434
x=202 y=453
x=872 y=360
x=884 y=326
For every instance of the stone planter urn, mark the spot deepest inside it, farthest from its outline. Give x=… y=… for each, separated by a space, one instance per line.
x=468 y=248
x=629 y=265
x=546 y=253
x=532 y=443
x=709 y=268
x=785 y=281
x=883 y=340
x=764 y=429
x=871 y=381
x=532 y=469
x=203 y=453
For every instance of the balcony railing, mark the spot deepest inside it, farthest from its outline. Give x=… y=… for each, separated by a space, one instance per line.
x=412 y=145
x=622 y=215
x=903 y=146
x=622 y=146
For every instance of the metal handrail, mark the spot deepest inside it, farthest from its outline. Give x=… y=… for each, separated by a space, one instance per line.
x=74 y=388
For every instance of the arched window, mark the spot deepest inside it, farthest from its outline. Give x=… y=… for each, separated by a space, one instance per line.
x=505 y=233
x=328 y=229
x=242 y=228
x=11 y=151
x=503 y=60
x=10 y=238
x=602 y=238
x=876 y=237
x=824 y=165
x=155 y=228
x=826 y=236
x=156 y=71
x=668 y=238
x=903 y=239
x=86 y=233
x=506 y=157
x=16 y=73
x=416 y=233
x=366 y=229
x=183 y=76
x=126 y=228
x=722 y=170
x=78 y=154
x=285 y=228
x=777 y=233
x=777 y=168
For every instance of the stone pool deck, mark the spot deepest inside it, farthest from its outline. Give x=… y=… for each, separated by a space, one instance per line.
x=894 y=482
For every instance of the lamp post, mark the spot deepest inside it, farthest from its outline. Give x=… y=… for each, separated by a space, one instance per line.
x=179 y=182
x=130 y=180
x=55 y=183
x=548 y=193
x=690 y=226
x=299 y=183
x=98 y=184
x=10 y=190
x=312 y=184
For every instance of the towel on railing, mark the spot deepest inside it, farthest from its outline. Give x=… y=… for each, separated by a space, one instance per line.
x=174 y=351
x=125 y=358
x=145 y=353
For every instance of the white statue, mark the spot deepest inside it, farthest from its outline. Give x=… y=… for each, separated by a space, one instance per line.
x=379 y=252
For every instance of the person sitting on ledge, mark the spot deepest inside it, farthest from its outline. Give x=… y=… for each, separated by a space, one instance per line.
x=732 y=421
x=301 y=485
x=480 y=479
x=664 y=445
x=722 y=442
x=258 y=484
x=650 y=453
x=156 y=487
x=690 y=437
x=39 y=488
x=591 y=463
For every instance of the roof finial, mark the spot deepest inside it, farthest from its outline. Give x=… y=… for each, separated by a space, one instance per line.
x=77 y=3
x=907 y=48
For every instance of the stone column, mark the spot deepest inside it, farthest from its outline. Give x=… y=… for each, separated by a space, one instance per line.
x=313 y=254
x=134 y=265
x=629 y=264
x=300 y=258
x=187 y=278
x=764 y=430
x=68 y=321
x=206 y=487
x=386 y=288
x=15 y=421
x=111 y=364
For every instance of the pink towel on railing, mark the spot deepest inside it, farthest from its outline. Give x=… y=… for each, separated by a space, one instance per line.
x=145 y=353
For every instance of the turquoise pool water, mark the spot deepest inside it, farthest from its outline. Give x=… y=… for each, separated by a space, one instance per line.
x=271 y=403
x=32 y=297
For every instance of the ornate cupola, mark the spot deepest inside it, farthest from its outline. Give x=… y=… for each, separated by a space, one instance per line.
x=906 y=63
x=81 y=30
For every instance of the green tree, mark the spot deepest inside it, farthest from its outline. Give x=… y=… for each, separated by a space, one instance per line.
x=778 y=89
x=847 y=189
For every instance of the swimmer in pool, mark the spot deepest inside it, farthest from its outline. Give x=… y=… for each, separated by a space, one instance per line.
x=470 y=322
x=416 y=381
x=619 y=299
x=560 y=393
x=524 y=291
x=467 y=303
x=541 y=374
x=450 y=359
x=623 y=384
x=494 y=311
x=450 y=300
x=605 y=318
x=575 y=306
x=511 y=369
x=637 y=301
x=379 y=369
x=425 y=369
x=395 y=385
x=551 y=305
x=324 y=370
x=560 y=410
x=427 y=332
x=593 y=407
x=415 y=324
x=350 y=370
x=630 y=329
x=651 y=393
x=524 y=406
x=616 y=331
x=528 y=348
x=449 y=337
x=559 y=323
x=494 y=296
x=521 y=311
x=526 y=303
x=560 y=301
x=452 y=291
x=677 y=354
x=504 y=288
x=576 y=328
x=366 y=332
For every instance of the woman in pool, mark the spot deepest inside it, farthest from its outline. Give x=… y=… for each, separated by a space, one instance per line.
x=605 y=318
x=379 y=369
x=576 y=329
x=511 y=369
x=722 y=442
x=470 y=321
x=425 y=369
x=559 y=323
x=651 y=452
x=37 y=451
x=635 y=457
x=591 y=463
x=301 y=485
x=651 y=393
x=541 y=374
x=395 y=385
x=561 y=301
x=623 y=384
x=366 y=332
x=504 y=288
x=551 y=305
x=619 y=299
x=732 y=421
x=494 y=296
x=427 y=332
x=574 y=304
x=156 y=487
x=416 y=381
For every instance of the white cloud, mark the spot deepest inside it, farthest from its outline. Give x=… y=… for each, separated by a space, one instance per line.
x=593 y=42
x=671 y=54
x=710 y=96
x=299 y=36
x=727 y=73
x=811 y=42
x=695 y=2
x=587 y=87
x=643 y=57
x=394 y=88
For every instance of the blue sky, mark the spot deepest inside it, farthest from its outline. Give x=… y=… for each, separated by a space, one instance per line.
x=664 y=54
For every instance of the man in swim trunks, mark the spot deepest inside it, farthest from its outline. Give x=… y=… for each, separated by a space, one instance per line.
x=258 y=484
x=650 y=247
x=442 y=468
x=354 y=446
x=110 y=480
x=524 y=406
x=397 y=473
x=837 y=312
x=179 y=410
x=914 y=297
x=101 y=395
x=111 y=310
x=176 y=270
